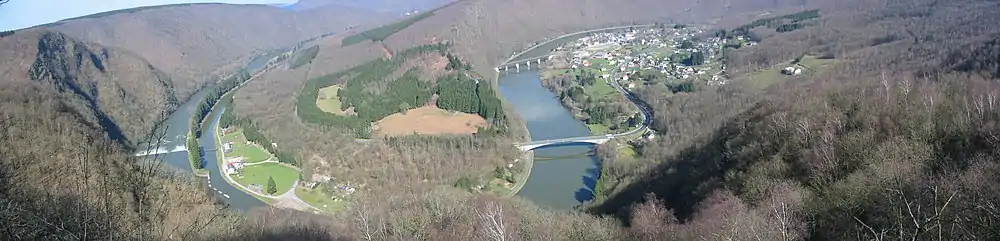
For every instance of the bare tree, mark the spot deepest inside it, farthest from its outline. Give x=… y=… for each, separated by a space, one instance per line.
x=363 y=219
x=491 y=219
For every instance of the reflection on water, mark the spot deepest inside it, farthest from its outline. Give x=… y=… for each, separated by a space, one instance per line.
x=563 y=176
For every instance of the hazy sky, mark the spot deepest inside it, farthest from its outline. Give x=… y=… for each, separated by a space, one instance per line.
x=18 y=14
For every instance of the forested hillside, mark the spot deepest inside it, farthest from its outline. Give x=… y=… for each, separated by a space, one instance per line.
x=890 y=144
x=95 y=82
x=200 y=43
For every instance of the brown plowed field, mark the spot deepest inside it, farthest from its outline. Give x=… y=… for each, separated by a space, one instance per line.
x=428 y=120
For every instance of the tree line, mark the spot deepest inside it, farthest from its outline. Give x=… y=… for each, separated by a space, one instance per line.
x=6 y=33
x=458 y=92
x=195 y=155
x=784 y=23
x=206 y=104
x=304 y=57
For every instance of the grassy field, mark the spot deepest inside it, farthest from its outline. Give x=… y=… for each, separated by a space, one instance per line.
x=250 y=153
x=554 y=72
x=601 y=90
x=329 y=101
x=598 y=129
x=663 y=52
x=598 y=63
x=321 y=200
x=381 y=33
x=816 y=64
x=767 y=77
x=283 y=176
x=626 y=152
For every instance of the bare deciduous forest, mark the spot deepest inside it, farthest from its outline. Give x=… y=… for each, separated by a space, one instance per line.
x=898 y=141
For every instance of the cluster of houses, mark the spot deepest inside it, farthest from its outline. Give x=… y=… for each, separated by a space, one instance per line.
x=343 y=189
x=609 y=48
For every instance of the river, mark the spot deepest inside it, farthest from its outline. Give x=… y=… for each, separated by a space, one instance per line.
x=173 y=152
x=562 y=176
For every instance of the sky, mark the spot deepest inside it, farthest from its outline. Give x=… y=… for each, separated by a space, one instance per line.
x=18 y=14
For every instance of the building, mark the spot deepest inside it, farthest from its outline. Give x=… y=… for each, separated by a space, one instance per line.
x=227 y=147
x=234 y=167
x=791 y=71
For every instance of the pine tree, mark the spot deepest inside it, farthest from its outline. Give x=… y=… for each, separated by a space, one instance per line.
x=272 y=188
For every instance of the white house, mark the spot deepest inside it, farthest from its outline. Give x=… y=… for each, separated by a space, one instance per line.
x=227 y=147
x=233 y=167
x=791 y=71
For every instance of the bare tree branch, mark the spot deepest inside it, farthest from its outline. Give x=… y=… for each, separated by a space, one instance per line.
x=491 y=220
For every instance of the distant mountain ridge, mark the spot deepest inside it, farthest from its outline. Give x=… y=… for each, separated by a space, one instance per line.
x=393 y=6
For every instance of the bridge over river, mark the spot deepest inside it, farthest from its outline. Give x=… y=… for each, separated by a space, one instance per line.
x=600 y=139
x=537 y=61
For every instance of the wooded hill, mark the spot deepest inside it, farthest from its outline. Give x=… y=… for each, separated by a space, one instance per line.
x=848 y=153
x=198 y=44
x=125 y=70
x=373 y=93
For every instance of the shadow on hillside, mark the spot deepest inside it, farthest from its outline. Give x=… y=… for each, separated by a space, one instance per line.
x=279 y=224
x=55 y=218
x=684 y=180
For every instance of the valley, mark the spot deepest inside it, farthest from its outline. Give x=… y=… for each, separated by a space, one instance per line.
x=499 y=120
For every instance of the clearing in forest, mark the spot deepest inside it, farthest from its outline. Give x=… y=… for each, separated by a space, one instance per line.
x=808 y=63
x=329 y=101
x=429 y=120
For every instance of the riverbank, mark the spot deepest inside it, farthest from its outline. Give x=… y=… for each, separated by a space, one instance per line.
x=287 y=199
x=529 y=156
x=556 y=182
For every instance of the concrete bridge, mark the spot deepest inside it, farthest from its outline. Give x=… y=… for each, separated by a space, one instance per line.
x=523 y=63
x=161 y=150
x=644 y=111
x=531 y=145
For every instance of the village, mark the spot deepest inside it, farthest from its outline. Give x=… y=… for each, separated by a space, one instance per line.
x=677 y=54
x=678 y=57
